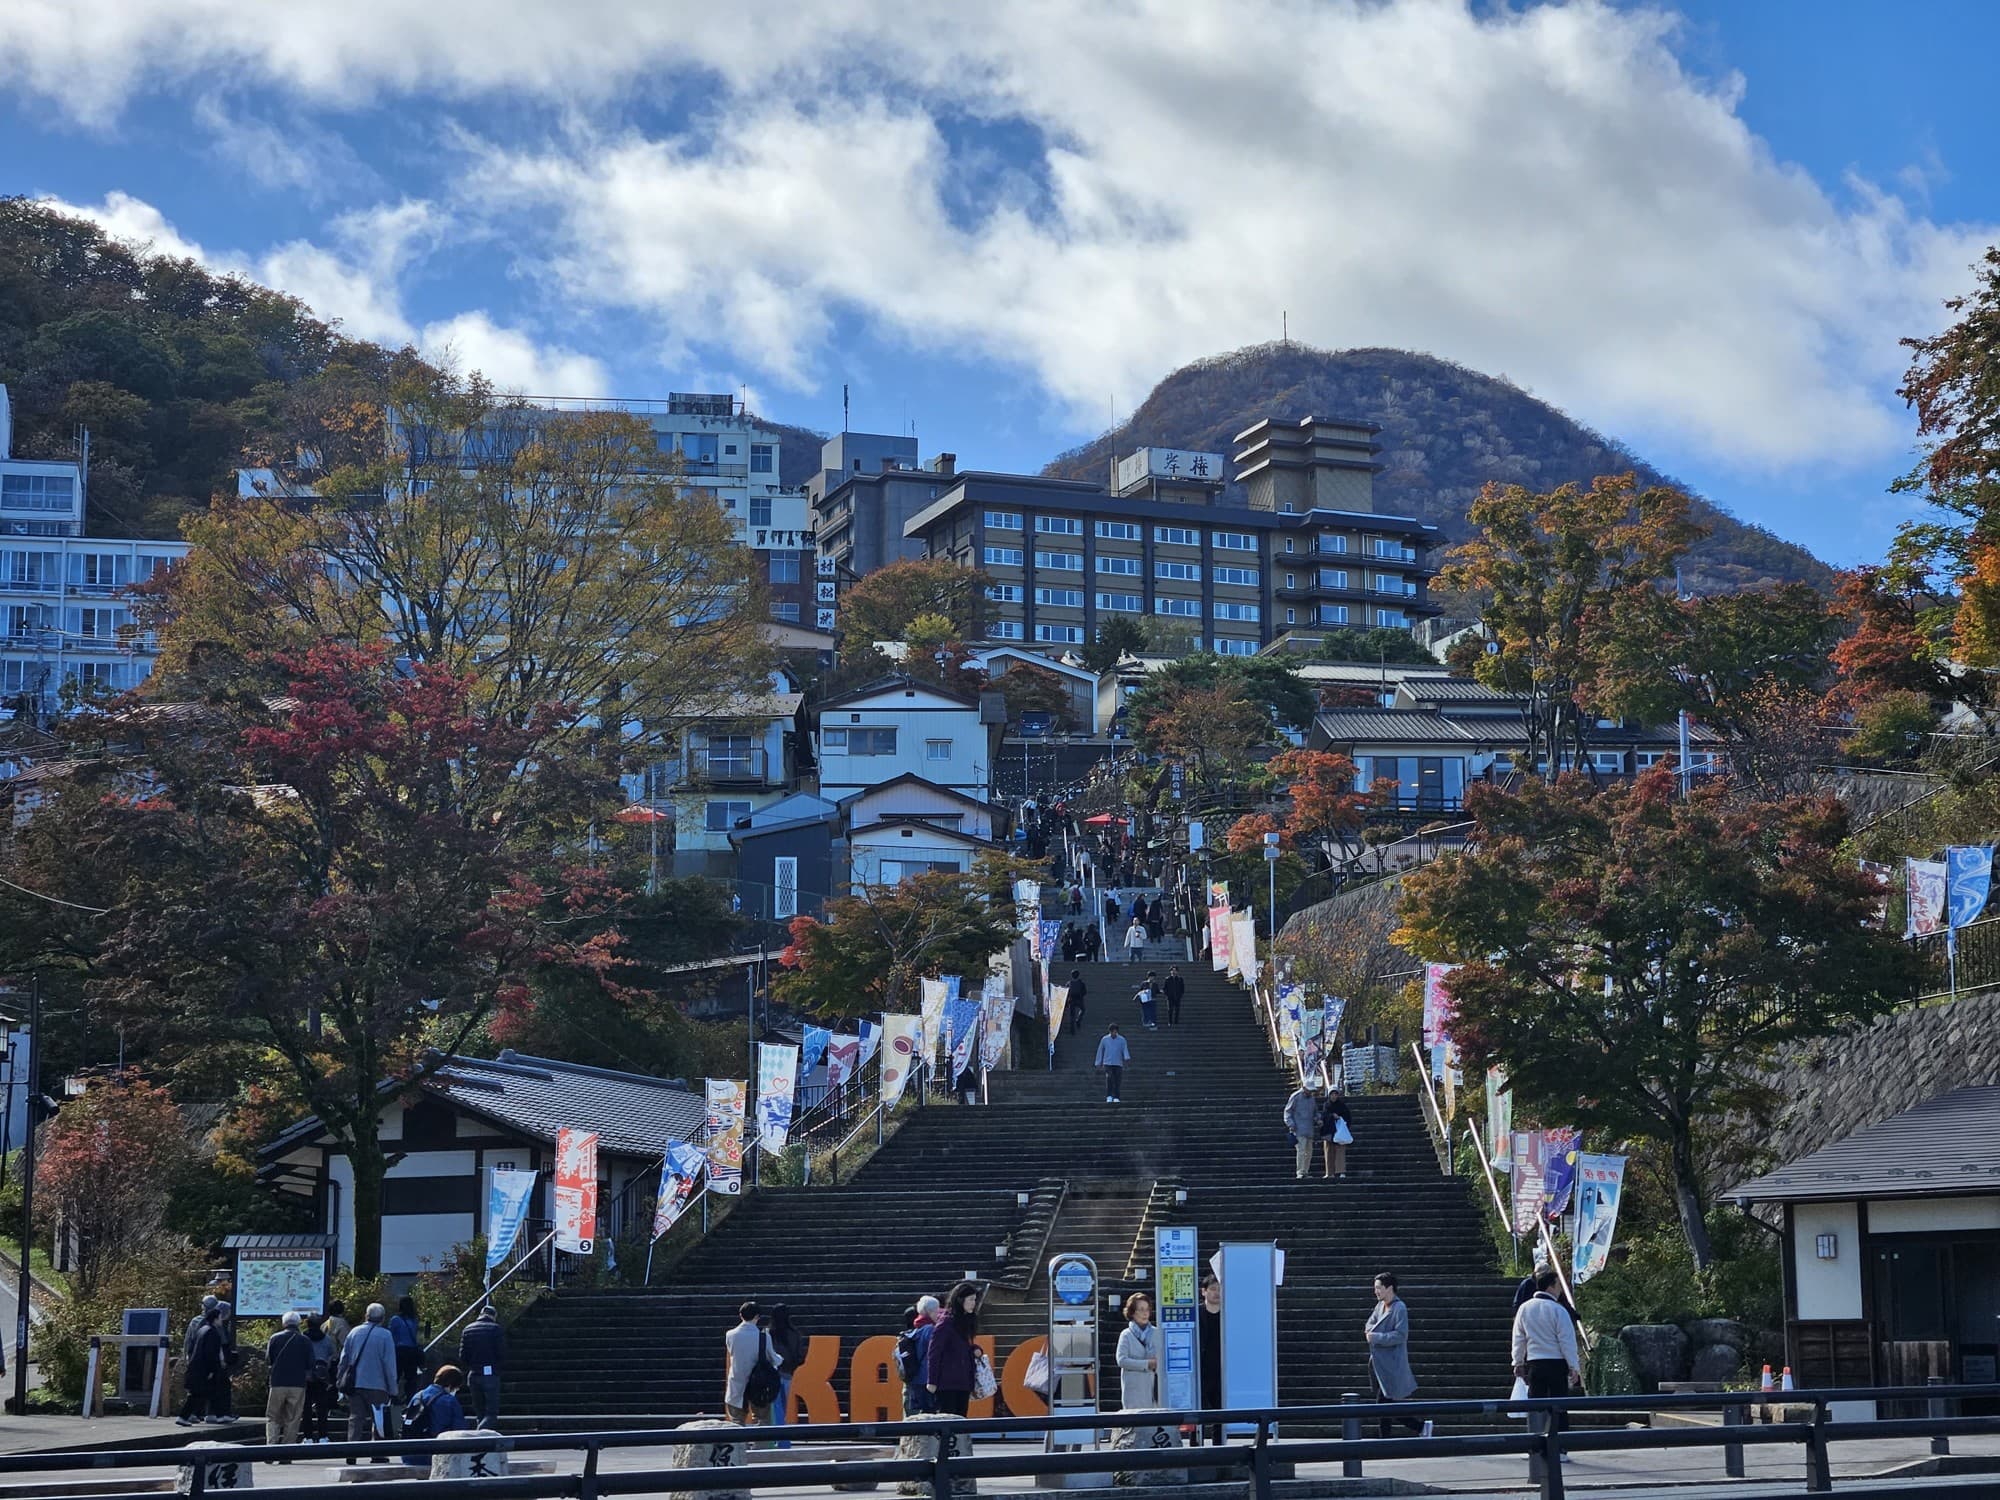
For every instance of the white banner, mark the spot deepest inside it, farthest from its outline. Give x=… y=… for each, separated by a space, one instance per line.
x=899 y=1055
x=777 y=1076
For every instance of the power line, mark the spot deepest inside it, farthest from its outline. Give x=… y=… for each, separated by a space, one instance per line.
x=95 y=911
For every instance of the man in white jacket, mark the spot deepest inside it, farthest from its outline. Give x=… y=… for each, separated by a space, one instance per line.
x=1545 y=1343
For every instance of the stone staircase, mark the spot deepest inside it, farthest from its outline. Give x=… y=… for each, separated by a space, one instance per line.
x=970 y=1190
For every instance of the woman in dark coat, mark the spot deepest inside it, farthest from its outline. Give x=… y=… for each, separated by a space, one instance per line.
x=1156 y=920
x=207 y=1368
x=948 y=1365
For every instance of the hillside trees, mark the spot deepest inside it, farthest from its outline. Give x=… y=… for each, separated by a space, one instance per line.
x=882 y=605
x=109 y=1163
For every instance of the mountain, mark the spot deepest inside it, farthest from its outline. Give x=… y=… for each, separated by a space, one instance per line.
x=1446 y=431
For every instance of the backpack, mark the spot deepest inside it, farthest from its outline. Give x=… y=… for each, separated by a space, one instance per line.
x=417 y=1415
x=909 y=1357
x=762 y=1388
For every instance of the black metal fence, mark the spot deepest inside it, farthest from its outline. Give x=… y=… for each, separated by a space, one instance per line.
x=1257 y=1449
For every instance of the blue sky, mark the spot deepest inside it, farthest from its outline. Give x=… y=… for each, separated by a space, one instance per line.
x=1699 y=228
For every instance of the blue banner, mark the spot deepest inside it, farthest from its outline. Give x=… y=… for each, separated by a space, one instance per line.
x=680 y=1170
x=813 y=1048
x=1968 y=880
x=962 y=1025
x=507 y=1197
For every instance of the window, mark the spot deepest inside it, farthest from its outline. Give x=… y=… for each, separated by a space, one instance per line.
x=1004 y=593
x=1003 y=557
x=96 y=624
x=1291 y=580
x=937 y=749
x=729 y=450
x=1226 y=647
x=1235 y=541
x=1385 y=618
x=785 y=886
x=1291 y=617
x=1647 y=759
x=1130 y=604
x=1177 y=536
x=721 y=816
x=760 y=510
x=1248 y=577
x=1060 y=598
x=875 y=740
x=1071 y=635
x=698 y=448
x=100 y=570
x=1388 y=583
x=1189 y=608
x=788 y=612
x=1331 y=543
x=1288 y=543
x=1333 y=578
x=1004 y=630
x=1127 y=566
x=37 y=492
x=784 y=567
x=1607 y=762
x=1225 y=611
x=1120 y=531
x=1184 y=572
x=1333 y=614
x=1059 y=525
x=1003 y=520
x=1060 y=562
x=1386 y=548
x=726 y=755
x=760 y=463
x=28 y=619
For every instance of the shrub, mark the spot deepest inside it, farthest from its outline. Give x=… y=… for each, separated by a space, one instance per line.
x=156 y=1276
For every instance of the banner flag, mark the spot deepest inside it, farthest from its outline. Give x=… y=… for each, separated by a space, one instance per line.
x=1243 y=945
x=1499 y=1120
x=899 y=1055
x=725 y=1136
x=1924 y=884
x=1049 y=940
x=680 y=1170
x=843 y=1059
x=1218 y=937
x=997 y=1018
x=932 y=1029
x=1600 y=1184
x=1058 y=1003
x=1218 y=894
x=1336 y=1012
x=1968 y=879
x=1291 y=1019
x=813 y=1048
x=1885 y=875
x=1559 y=1150
x=1437 y=1003
x=777 y=1077
x=871 y=1038
x=962 y=1029
x=576 y=1190
x=952 y=984
x=508 y=1194
x=1027 y=905
x=1527 y=1157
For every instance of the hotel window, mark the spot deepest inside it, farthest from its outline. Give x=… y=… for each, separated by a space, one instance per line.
x=1003 y=557
x=1388 y=583
x=1060 y=562
x=1333 y=614
x=1005 y=593
x=1247 y=577
x=760 y=458
x=1177 y=536
x=1387 y=618
x=1003 y=520
x=1333 y=578
x=1225 y=647
x=1120 y=531
x=1224 y=611
x=1184 y=572
x=1059 y=525
x=1333 y=543
x=1291 y=617
x=784 y=567
x=1128 y=566
x=1187 y=608
x=1060 y=598
x=760 y=510
x=1004 y=630
x=1130 y=604
x=1288 y=543
x=1071 y=635
x=1235 y=541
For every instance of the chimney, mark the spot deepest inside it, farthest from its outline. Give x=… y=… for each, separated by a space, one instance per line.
x=945 y=464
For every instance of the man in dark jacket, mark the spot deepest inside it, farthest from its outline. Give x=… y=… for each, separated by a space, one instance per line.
x=290 y=1357
x=1175 y=987
x=206 y=1368
x=1073 y=1009
x=482 y=1351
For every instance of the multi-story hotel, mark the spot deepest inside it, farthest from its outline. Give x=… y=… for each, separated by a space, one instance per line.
x=1306 y=551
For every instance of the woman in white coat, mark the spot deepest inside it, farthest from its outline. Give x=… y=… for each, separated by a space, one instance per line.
x=1139 y=1357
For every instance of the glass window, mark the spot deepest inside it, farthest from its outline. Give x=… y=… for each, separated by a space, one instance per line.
x=1184 y=572
x=1003 y=520
x=1003 y=557
x=1331 y=543
x=784 y=567
x=1177 y=536
x=1288 y=543
x=722 y=816
x=1060 y=598
x=789 y=611
x=698 y=448
x=1235 y=541
x=1390 y=618
x=1119 y=531
x=37 y=492
x=1333 y=614
x=761 y=458
x=879 y=739
x=760 y=510
x=1004 y=593
x=1190 y=608
x=1004 y=630
x=1061 y=634
x=785 y=886
x=1333 y=578
x=937 y=749
x=1226 y=647
x=1247 y=577
x=1059 y=525
x=1126 y=566
x=1123 y=603
x=1227 y=611
x=1291 y=617
x=1060 y=562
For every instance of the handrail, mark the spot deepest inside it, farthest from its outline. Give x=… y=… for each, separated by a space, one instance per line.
x=1548 y=1244
x=486 y=1296
x=1440 y=1131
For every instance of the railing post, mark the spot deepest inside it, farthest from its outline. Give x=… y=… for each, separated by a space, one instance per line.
x=1819 y=1470
x=1350 y=1432
x=941 y=1467
x=1552 y=1455
x=1260 y=1462
x=1939 y=1410
x=587 y=1488
x=1733 y=1415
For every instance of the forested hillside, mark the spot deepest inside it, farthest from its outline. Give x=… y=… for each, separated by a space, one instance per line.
x=1446 y=431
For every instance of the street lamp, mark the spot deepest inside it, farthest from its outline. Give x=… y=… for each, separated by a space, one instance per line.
x=652 y=817
x=1271 y=869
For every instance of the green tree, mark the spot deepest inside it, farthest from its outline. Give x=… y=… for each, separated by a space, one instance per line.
x=1209 y=729
x=882 y=605
x=1030 y=689
x=1382 y=644
x=1634 y=959
x=1118 y=637
x=1270 y=683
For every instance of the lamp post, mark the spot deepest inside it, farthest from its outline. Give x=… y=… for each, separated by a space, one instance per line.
x=34 y=1081
x=1271 y=870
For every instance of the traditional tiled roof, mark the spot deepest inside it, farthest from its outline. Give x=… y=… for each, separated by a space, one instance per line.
x=1947 y=1145
x=632 y=1114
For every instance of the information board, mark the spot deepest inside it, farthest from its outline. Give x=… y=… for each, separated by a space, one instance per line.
x=1174 y=1278
x=271 y=1283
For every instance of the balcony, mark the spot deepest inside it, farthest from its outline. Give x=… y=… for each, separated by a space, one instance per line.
x=708 y=768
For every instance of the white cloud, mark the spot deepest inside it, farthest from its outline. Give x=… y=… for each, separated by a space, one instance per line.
x=513 y=361
x=1545 y=191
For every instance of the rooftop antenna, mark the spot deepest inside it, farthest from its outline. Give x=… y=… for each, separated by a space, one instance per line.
x=843 y=408
x=1284 y=326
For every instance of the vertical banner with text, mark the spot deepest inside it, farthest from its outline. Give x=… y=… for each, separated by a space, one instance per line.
x=508 y=1195
x=777 y=1076
x=899 y=1055
x=576 y=1190
x=1174 y=1261
x=1600 y=1184
x=725 y=1136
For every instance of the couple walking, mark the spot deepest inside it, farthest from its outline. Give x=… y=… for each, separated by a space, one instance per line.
x=1174 y=988
x=1320 y=1117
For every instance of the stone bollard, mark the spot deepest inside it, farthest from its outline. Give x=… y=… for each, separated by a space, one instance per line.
x=916 y=1445
x=724 y=1445
x=1154 y=1437
x=480 y=1458
x=224 y=1471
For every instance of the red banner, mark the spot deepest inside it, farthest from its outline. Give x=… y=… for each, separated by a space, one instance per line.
x=576 y=1190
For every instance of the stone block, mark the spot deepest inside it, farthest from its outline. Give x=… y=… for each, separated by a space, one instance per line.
x=1717 y=1363
x=480 y=1457
x=712 y=1444
x=1658 y=1351
x=223 y=1471
x=1720 y=1331
x=1153 y=1437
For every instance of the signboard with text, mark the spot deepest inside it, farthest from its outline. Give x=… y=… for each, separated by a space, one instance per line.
x=1174 y=1260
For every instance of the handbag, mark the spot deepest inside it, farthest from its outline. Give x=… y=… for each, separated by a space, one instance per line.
x=985 y=1385
x=1342 y=1136
x=1037 y=1378
x=1519 y=1393
x=349 y=1369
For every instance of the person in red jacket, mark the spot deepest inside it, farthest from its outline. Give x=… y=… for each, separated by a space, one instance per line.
x=948 y=1362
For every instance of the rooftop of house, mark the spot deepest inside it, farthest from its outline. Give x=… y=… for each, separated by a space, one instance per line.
x=1943 y=1147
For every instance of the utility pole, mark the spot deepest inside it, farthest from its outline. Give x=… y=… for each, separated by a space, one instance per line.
x=28 y=1195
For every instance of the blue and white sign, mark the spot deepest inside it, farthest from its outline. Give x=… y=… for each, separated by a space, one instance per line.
x=1074 y=1284
x=508 y=1194
x=1968 y=881
x=1174 y=1280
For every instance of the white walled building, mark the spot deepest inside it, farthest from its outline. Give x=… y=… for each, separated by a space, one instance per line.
x=63 y=614
x=899 y=726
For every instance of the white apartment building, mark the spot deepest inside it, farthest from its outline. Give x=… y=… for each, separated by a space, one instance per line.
x=63 y=614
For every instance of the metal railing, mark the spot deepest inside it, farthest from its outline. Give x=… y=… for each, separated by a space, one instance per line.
x=1544 y=1445
x=1434 y=1119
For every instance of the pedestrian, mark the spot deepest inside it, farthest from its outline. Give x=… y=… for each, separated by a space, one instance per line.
x=1175 y=987
x=1336 y=1132
x=368 y=1376
x=409 y=1347
x=290 y=1358
x=1138 y=912
x=747 y=1392
x=1388 y=1332
x=196 y=1324
x=434 y=1411
x=912 y=1348
x=1135 y=942
x=1113 y=1053
x=790 y=1347
x=232 y=1362
x=1073 y=1007
x=204 y=1370
x=1093 y=943
x=1148 y=1012
x=1302 y=1120
x=1076 y=901
x=948 y=1364
x=1156 y=920
x=319 y=1382
x=337 y=1324
x=1545 y=1346
x=1138 y=1357
x=1111 y=908
x=482 y=1352
x=1208 y=1323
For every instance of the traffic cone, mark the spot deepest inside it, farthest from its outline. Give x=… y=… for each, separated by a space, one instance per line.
x=1785 y=1380
x=1766 y=1383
